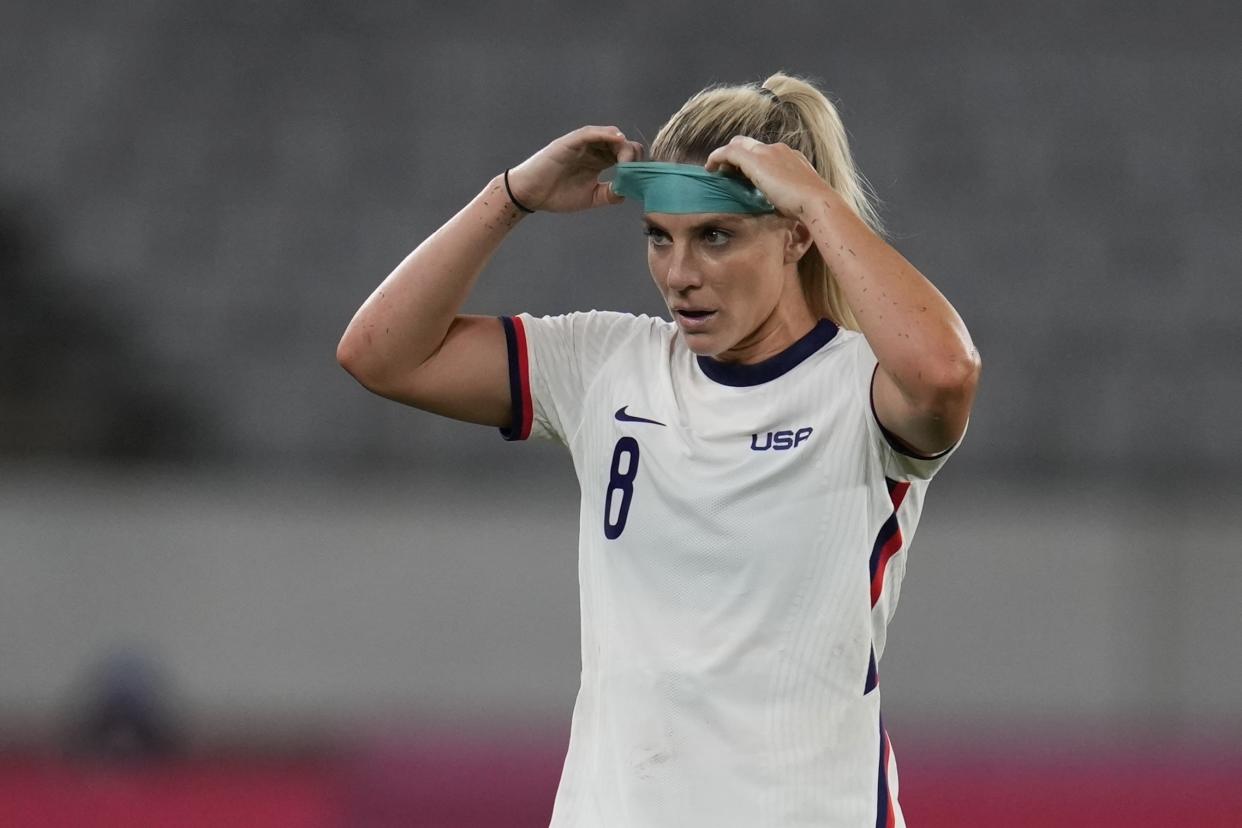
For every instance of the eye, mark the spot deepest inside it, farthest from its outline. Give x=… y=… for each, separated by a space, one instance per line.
x=655 y=237
x=716 y=237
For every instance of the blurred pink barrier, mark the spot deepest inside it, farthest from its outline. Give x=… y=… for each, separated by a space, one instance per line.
x=483 y=780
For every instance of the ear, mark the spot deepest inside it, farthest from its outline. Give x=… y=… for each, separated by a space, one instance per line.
x=797 y=241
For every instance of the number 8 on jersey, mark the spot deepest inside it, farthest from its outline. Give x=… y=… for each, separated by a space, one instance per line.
x=621 y=482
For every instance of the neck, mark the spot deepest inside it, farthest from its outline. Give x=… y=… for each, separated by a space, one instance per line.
x=788 y=322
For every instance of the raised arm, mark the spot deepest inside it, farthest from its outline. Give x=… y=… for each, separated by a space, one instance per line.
x=928 y=367
x=409 y=343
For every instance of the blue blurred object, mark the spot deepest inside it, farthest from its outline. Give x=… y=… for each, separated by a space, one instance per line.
x=126 y=714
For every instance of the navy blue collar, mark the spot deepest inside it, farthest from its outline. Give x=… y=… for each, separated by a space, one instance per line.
x=757 y=373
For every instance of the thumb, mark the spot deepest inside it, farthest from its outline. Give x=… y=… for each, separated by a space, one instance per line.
x=605 y=195
x=630 y=151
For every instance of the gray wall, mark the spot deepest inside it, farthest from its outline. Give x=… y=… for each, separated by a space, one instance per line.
x=194 y=197
x=274 y=603
x=206 y=191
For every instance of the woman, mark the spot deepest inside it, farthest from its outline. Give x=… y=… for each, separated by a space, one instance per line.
x=750 y=472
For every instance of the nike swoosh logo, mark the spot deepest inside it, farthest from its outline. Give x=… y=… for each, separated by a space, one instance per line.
x=630 y=418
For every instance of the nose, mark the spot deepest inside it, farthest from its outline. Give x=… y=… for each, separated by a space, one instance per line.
x=683 y=272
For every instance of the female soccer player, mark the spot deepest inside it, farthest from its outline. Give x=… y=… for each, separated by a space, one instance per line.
x=751 y=471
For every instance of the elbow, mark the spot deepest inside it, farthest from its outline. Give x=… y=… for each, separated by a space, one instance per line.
x=948 y=385
x=961 y=372
x=348 y=354
x=370 y=368
x=352 y=354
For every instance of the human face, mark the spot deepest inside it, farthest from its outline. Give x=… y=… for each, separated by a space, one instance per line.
x=730 y=281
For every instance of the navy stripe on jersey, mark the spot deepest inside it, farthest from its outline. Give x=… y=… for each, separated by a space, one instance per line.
x=873 y=675
x=884 y=815
x=514 y=430
x=738 y=375
x=888 y=542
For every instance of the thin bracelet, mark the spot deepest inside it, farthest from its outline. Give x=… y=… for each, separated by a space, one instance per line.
x=516 y=203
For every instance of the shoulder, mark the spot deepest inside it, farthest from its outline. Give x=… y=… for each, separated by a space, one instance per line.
x=850 y=352
x=841 y=369
x=849 y=341
x=600 y=326
x=845 y=353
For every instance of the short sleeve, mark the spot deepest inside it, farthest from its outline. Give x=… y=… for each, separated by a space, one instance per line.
x=553 y=360
x=899 y=462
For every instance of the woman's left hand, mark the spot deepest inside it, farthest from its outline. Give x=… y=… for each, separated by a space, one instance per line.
x=780 y=172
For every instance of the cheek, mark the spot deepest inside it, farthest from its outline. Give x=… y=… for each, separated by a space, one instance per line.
x=657 y=272
x=751 y=282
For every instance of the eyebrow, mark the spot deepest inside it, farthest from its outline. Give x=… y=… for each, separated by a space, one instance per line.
x=714 y=220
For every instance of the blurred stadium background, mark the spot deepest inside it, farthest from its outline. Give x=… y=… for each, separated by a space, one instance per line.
x=235 y=589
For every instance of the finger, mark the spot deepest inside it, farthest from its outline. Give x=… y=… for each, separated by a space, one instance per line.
x=602 y=141
x=630 y=151
x=610 y=135
x=600 y=132
x=613 y=142
x=721 y=158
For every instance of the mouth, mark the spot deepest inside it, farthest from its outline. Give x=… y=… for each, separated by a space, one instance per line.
x=692 y=319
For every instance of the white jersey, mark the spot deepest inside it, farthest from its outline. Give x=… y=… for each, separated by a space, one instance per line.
x=740 y=552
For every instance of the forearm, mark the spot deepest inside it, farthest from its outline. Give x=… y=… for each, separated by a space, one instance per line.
x=917 y=336
x=407 y=317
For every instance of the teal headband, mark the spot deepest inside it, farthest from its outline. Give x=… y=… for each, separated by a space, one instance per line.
x=686 y=188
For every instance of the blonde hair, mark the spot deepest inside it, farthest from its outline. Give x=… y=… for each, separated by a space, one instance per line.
x=794 y=111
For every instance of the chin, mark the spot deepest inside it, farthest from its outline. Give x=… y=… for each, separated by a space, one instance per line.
x=702 y=344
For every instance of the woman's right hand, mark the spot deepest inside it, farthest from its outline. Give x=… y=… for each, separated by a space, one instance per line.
x=564 y=176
